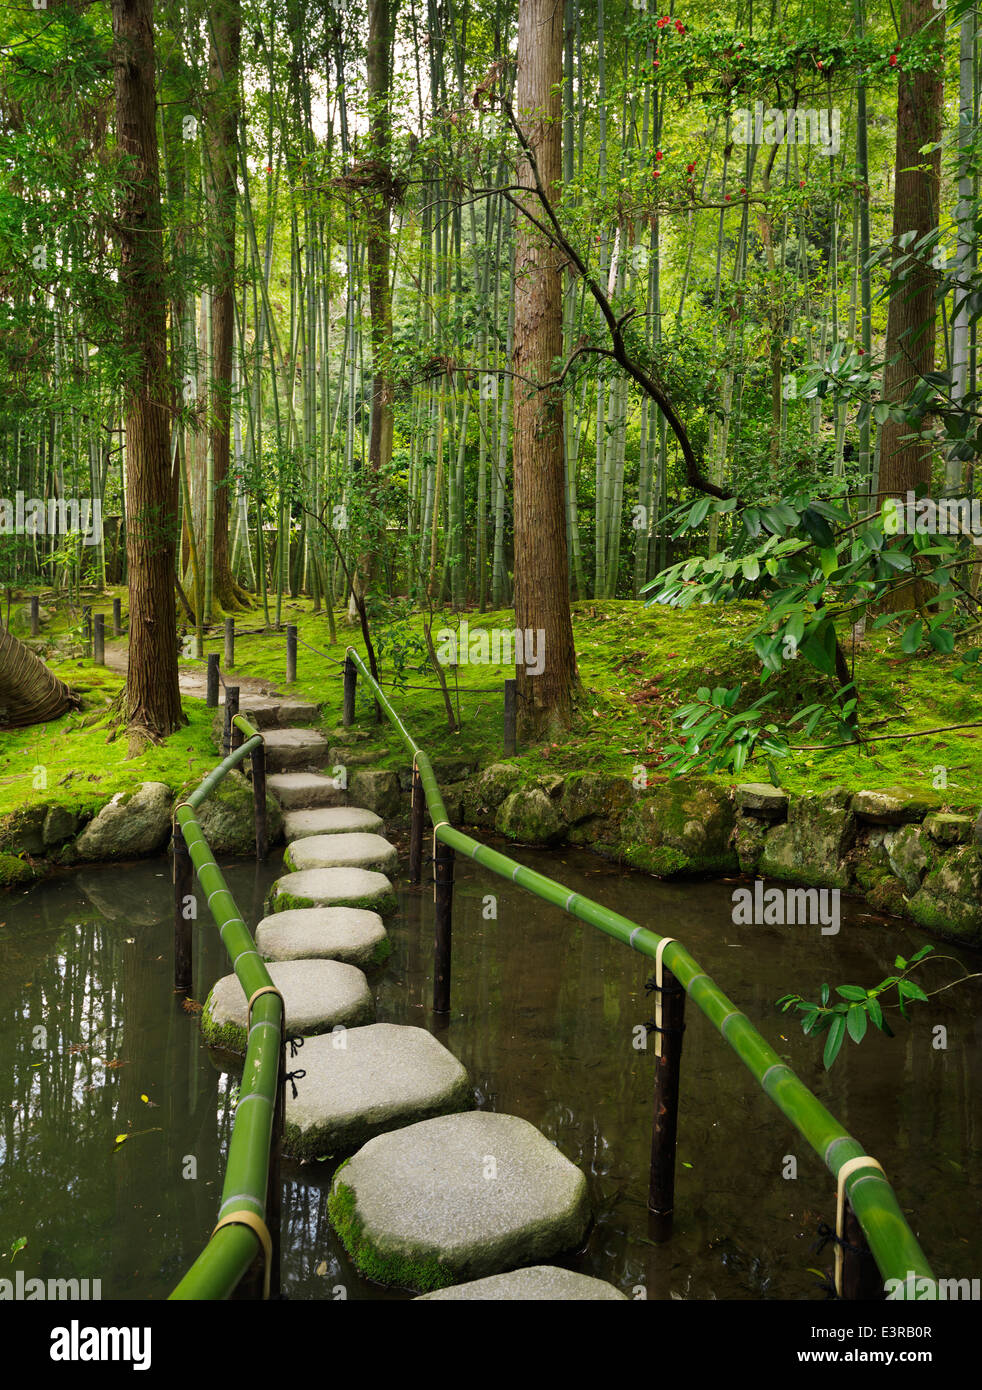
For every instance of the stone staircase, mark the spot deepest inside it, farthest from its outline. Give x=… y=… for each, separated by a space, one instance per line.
x=438 y=1196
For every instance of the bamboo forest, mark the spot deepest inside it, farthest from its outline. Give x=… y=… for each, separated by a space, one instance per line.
x=488 y=493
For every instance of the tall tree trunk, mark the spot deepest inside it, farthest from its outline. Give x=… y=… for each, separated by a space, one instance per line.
x=153 y=701
x=541 y=584
x=909 y=350
x=222 y=144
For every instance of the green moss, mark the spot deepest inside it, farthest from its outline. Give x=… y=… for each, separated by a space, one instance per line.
x=385 y=1267
x=15 y=872
x=285 y=902
x=381 y=951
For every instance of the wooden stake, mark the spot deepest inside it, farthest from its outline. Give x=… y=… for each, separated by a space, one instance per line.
x=661 y=1188
x=99 y=640
x=183 y=882
x=35 y=616
x=291 y=655
x=416 y=828
x=211 y=695
x=350 y=682
x=258 y=756
x=117 y=617
x=232 y=735
x=229 y=644
x=443 y=862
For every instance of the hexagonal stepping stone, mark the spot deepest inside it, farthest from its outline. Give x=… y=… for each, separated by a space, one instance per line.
x=354 y=851
x=305 y=789
x=350 y=934
x=456 y=1198
x=367 y=1081
x=317 y=994
x=329 y=820
x=538 y=1282
x=332 y=888
x=290 y=749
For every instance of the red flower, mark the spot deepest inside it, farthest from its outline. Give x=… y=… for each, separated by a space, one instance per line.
x=801 y=184
x=690 y=168
x=656 y=173
x=655 y=63
x=658 y=154
x=679 y=27
x=862 y=352
x=727 y=197
x=819 y=64
x=893 y=60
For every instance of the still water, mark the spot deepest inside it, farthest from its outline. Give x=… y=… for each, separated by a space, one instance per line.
x=94 y=1045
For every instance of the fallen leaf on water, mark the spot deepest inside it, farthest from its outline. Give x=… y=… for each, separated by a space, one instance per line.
x=322 y=1267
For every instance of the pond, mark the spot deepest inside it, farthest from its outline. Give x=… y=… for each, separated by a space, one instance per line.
x=94 y=1045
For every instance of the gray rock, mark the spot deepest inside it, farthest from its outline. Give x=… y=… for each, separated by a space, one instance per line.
x=749 y=835
x=329 y=820
x=529 y=815
x=367 y=1081
x=457 y=1198
x=354 y=757
x=378 y=790
x=60 y=825
x=545 y=1282
x=949 y=829
x=298 y=790
x=291 y=712
x=291 y=750
x=907 y=849
x=350 y=934
x=353 y=851
x=762 y=799
x=891 y=807
x=811 y=847
x=332 y=888
x=317 y=995
x=949 y=902
x=132 y=824
x=22 y=831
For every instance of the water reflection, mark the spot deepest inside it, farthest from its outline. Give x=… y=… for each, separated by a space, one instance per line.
x=95 y=1045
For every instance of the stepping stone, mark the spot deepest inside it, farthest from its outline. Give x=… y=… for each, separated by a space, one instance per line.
x=332 y=888
x=317 y=994
x=329 y=820
x=261 y=713
x=367 y=1081
x=297 y=712
x=327 y=933
x=292 y=749
x=305 y=789
x=457 y=1198
x=538 y=1282
x=354 y=851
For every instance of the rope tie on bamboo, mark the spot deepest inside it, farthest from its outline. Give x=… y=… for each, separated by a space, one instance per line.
x=435 y=829
x=850 y=1166
x=659 y=952
x=258 y=1226
x=264 y=989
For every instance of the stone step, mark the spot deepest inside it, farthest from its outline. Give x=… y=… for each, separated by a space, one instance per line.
x=305 y=790
x=349 y=934
x=368 y=1081
x=329 y=820
x=457 y=1198
x=353 y=851
x=332 y=888
x=294 y=750
x=266 y=713
x=548 y=1282
x=317 y=994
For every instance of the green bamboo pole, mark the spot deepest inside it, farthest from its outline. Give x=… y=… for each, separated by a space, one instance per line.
x=893 y=1244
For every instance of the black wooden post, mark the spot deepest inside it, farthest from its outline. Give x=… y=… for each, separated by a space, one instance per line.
x=443 y=862
x=99 y=640
x=258 y=756
x=510 y=725
x=861 y=1277
x=35 y=616
x=211 y=694
x=231 y=710
x=183 y=882
x=229 y=644
x=350 y=681
x=661 y=1188
x=291 y=655
x=416 y=828
x=117 y=617
x=87 y=628
x=274 y=1189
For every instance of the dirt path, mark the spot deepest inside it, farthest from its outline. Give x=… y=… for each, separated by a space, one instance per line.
x=194 y=682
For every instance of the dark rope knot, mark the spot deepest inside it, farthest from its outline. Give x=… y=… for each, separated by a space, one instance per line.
x=293 y=1077
x=295 y=1043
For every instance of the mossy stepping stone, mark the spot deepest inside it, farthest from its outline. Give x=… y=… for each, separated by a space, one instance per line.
x=332 y=888
x=317 y=993
x=350 y=934
x=456 y=1198
x=538 y=1282
x=304 y=789
x=367 y=1081
x=288 y=749
x=353 y=851
x=329 y=820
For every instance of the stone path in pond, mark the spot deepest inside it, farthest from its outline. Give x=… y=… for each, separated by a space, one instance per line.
x=437 y=1197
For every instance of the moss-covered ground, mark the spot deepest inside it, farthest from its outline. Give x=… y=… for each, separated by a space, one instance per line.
x=637 y=666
